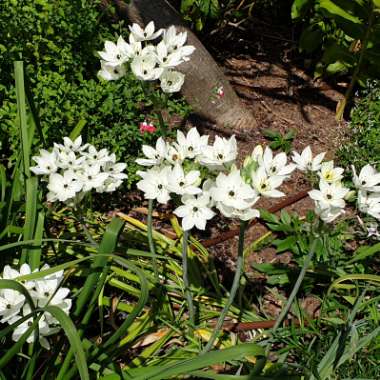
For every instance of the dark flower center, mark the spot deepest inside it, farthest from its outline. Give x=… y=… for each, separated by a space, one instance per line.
x=220 y=156
x=329 y=196
x=195 y=209
x=159 y=187
x=231 y=193
x=9 y=306
x=46 y=294
x=182 y=183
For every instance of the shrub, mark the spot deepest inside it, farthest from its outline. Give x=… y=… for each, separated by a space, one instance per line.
x=58 y=41
x=364 y=145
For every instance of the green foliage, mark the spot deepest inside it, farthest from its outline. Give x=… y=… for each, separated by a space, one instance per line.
x=344 y=34
x=61 y=61
x=280 y=141
x=364 y=144
x=200 y=11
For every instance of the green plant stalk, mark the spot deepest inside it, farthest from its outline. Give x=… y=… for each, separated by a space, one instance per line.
x=350 y=88
x=186 y=282
x=151 y=241
x=295 y=290
x=161 y=122
x=234 y=288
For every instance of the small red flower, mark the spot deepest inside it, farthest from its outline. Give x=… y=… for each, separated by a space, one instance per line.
x=147 y=127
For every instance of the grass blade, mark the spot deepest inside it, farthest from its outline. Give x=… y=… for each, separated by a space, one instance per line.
x=21 y=108
x=73 y=337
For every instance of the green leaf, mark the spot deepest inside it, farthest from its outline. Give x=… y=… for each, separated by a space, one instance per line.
x=311 y=38
x=364 y=252
x=77 y=130
x=334 y=9
x=73 y=337
x=107 y=246
x=186 y=366
x=300 y=7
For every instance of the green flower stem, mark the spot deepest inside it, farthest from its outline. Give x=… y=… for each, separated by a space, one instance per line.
x=295 y=290
x=234 y=288
x=162 y=123
x=151 y=242
x=185 y=268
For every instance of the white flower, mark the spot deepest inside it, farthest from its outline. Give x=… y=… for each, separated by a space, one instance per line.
x=144 y=67
x=175 y=155
x=154 y=183
x=266 y=185
x=109 y=185
x=195 y=211
x=306 y=162
x=110 y=72
x=171 y=81
x=115 y=54
x=192 y=144
x=63 y=187
x=46 y=163
x=154 y=156
x=369 y=203
x=258 y=154
x=92 y=177
x=328 y=214
x=329 y=173
x=165 y=58
x=368 y=178
x=186 y=51
x=181 y=183
x=173 y=40
x=329 y=195
x=276 y=166
x=43 y=329
x=231 y=212
x=115 y=170
x=68 y=160
x=146 y=34
x=12 y=274
x=222 y=152
x=96 y=157
x=232 y=191
x=11 y=303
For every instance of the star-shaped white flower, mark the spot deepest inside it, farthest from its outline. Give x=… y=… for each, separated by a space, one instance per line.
x=266 y=185
x=223 y=152
x=368 y=178
x=110 y=72
x=154 y=156
x=232 y=191
x=277 y=165
x=195 y=211
x=181 y=183
x=154 y=183
x=146 y=34
x=171 y=81
x=145 y=68
x=369 y=203
x=63 y=187
x=329 y=173
x=46 y=163
x=329 y=195
x=306 y=162
x=192 y=144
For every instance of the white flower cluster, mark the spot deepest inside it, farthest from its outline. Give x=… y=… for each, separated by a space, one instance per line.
x=205 y=176
x=368 y=186
x=44 y=291
x=148 y=62
x=330 y=197
x=73 y=169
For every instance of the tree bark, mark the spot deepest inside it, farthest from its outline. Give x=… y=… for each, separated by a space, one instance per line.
x=203 y=75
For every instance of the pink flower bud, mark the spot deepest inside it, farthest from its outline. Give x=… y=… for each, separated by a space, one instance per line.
x=147 y=127
x=220 y=92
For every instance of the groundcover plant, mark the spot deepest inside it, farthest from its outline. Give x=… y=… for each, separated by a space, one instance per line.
x=83 y=297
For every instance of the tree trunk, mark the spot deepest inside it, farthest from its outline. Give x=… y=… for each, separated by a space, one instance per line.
x=203 y=75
